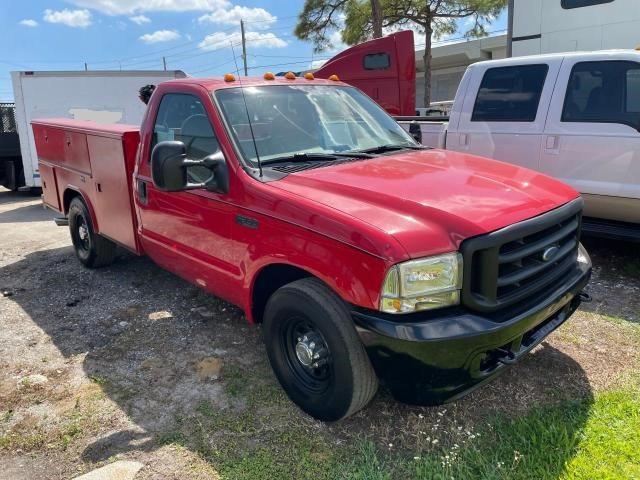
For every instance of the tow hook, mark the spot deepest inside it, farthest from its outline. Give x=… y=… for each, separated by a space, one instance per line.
x=507 y=357
x=584 y=297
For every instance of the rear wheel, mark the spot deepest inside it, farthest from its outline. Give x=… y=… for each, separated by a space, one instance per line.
x=92 y=250
x=13 y=175
x=315 y=351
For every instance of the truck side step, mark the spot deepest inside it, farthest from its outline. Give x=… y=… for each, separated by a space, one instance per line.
x=596 y=227
x=61 y=221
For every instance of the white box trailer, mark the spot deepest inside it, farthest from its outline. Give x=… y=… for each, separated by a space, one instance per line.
x=554 y=26
x=100 y=96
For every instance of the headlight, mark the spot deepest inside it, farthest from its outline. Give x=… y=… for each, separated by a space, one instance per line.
x=583 y=256
x=431 y=282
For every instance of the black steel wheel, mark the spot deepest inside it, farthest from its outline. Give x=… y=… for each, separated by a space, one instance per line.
x=307 y=354
x=315 y=351
x=92 y=250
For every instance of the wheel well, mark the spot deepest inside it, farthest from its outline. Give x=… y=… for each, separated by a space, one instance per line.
x=69 y=195
x=270 y=279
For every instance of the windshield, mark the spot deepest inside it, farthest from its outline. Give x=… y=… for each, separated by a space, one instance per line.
x=298 y=119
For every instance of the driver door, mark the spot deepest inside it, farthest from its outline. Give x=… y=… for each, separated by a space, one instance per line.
x=188 y=233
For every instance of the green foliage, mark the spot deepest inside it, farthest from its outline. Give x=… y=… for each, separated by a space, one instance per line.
x=320 y=17
x=431 y=18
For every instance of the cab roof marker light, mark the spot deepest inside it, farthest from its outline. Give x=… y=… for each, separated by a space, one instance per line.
x=269 y=76
x=229 y=77
x=290 y=76
x=309 y=76
x=334 y=78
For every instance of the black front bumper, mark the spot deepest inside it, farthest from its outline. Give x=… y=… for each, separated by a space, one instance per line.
x=433 y=357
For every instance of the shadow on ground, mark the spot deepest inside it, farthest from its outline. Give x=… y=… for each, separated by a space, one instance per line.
x=28 y=213
x=8 y=196
x=615 y=285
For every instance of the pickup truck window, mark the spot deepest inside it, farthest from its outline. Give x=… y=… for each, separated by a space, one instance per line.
x=510 y=94
x=298 y=119
x=603 y=92
x=182 y=117
x=569 y=4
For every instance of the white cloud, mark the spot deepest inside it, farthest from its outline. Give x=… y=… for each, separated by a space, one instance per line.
x=160 y=36
x=232 y=16
x=29 y=22
x=336 y=42
x=132 y=7
x=317 y=64
x=219 y=40
x=71 y=18
x=268 y=40
x=140 y=19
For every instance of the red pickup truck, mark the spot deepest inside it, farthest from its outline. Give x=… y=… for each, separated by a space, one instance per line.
x=364 y=255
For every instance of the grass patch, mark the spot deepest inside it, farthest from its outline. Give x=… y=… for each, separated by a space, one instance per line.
x=22 y=441
x=632 y=327
x=573 y=441
x=32 y=433
x=577 y=440
x=98 y=380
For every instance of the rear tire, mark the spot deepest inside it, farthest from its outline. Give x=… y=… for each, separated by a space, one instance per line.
x=13 y=175
x=93 y=250
x=316 y=352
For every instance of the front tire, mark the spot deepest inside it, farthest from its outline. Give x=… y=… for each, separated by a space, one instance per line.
x=93 y=250
x=315 y=351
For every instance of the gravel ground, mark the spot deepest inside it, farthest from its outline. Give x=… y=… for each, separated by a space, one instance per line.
x=99 y=365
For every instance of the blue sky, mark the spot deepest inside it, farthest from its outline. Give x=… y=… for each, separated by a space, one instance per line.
x=193 y=35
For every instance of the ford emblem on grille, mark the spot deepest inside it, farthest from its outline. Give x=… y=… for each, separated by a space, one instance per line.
x=550 y=253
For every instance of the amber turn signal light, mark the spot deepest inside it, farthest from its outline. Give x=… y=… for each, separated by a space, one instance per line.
x=229 y=77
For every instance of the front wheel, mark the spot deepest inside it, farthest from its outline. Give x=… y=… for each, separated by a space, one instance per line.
x=92 y=249
x=315 y=351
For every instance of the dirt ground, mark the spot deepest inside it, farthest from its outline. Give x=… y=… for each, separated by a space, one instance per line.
x=118 y=362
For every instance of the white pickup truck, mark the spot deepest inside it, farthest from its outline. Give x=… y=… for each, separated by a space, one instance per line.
x=574 y=116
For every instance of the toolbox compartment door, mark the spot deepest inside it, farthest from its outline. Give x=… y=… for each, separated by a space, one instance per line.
x=112 y=190
x=49 y=186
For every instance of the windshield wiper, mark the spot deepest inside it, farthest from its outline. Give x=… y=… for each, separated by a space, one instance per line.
x=390 y=148
x=311 y=156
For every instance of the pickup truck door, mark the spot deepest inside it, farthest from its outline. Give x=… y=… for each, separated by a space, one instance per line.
x=591 y=137
x=504 y=111
x=188 y=233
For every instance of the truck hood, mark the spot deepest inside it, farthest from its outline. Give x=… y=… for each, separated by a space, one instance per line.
x=431 y=200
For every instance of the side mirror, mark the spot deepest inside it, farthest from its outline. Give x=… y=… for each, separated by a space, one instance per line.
x=415 y=131
x=169 y=167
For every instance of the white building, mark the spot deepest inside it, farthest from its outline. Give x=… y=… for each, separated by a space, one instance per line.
x=550 y=26
x=450 y=61
x=538 y=26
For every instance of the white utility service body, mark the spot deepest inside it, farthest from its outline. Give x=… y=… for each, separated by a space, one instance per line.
x=101 y=96
x=574 y=116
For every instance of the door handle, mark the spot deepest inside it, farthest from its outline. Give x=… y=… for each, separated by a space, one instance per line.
x=142 y=192
x=552 y=143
